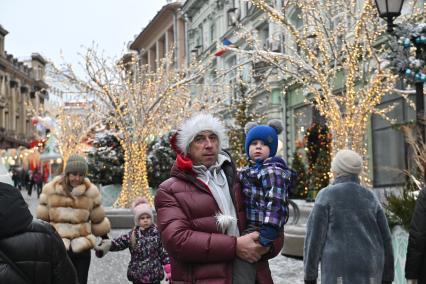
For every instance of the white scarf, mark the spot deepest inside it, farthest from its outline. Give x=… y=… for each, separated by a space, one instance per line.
x=215 y=178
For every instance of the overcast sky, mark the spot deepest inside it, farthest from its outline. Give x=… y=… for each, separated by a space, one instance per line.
x=51 y=26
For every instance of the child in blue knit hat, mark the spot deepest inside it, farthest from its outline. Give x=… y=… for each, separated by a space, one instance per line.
x=265 y=184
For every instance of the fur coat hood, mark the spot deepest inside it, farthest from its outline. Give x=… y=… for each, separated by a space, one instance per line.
x=77 y=218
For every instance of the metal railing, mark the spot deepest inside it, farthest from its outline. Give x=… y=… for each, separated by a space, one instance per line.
x=296 y=212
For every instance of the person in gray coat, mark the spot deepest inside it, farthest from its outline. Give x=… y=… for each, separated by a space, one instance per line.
x=415 y=264
x=347 y=231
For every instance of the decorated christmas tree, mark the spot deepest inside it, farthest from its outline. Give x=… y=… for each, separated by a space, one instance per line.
x=160 y=160
x=242 y=114
x=301 y=183
x=406 y=51
x=318 y=152
x=106 y=160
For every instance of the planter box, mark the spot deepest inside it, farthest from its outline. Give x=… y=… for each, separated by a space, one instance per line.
x=295 y=229
x=109 y=194
x=399 y=244
x=120 y=218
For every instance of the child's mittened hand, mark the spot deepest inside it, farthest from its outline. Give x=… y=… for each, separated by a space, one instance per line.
x=103 y=248
x=168 y=270
x=99 y=253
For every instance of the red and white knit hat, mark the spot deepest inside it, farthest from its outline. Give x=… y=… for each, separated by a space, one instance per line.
x=196 y=124
x=141 y=206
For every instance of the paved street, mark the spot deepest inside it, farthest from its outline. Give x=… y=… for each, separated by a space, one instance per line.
x=112 y=268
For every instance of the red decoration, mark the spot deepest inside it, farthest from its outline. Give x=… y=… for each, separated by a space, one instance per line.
x=33 y=165
x=34 y=120
x=45 y=172
x=34 y=143
x=220 y=52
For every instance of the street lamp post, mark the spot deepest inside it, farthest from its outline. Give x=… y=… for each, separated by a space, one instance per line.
x=389 y=10
x=51 y=155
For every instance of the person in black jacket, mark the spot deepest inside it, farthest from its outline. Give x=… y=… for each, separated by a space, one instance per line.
x=415 y=265
x=33 y=245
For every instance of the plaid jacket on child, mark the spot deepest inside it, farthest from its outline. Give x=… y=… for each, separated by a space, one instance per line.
x=266 y=188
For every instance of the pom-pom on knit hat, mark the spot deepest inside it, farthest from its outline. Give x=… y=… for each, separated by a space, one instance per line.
x=141 y=206
x=346 y=162
x=76 y=164
x=196 y=124
x=267 y=133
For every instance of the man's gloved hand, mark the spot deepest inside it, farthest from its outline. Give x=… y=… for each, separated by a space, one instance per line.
x=103 y=248
x=168 y=270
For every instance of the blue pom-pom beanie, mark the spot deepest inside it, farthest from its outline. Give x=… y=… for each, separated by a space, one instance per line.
x=265 y=133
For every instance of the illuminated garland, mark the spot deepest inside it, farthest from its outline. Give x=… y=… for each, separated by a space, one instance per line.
x=318 y=151
x=301 y=184
x=242 y=112
x=138 y=103
x=336 y=40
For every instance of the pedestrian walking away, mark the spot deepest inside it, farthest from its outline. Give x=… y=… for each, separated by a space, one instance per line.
x=415 y=265
x=200 y=212
x=15 y=177
x=31 y=251
x=73 y=206
x=28 y=182
x=347 y=230
x=38 y=182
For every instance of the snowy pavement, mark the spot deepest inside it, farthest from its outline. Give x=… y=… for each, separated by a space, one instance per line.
x=112 y=268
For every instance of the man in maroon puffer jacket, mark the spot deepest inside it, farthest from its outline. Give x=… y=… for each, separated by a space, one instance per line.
x=200 y=211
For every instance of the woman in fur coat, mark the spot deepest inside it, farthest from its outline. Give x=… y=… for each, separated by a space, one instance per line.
x=72 y=204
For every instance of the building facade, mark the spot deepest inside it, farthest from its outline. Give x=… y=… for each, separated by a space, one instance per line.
x=165 y=33
x=208 y=23
x=202 y=27
x=22 y=86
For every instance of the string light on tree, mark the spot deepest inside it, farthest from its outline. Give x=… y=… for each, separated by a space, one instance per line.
x=318 y=151
x=138 y=103
x=332 y=46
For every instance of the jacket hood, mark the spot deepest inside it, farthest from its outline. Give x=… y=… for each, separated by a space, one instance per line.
x=278 y=161
x=14 y=213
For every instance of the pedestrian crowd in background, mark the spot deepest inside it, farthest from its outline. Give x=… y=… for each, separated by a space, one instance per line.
x=28 y=180
x=215 y=224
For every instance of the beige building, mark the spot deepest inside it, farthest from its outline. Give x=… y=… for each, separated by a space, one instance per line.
x=164 y=33
x=21 y=85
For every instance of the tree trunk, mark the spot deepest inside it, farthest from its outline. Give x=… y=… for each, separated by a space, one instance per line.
x=135 y=180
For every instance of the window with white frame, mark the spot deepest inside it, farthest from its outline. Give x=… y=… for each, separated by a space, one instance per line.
x=231 y=78
x=296 y=17
x=302 y=121
x=263 y=35
x=390 y=152
x=212 y=32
